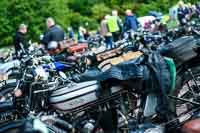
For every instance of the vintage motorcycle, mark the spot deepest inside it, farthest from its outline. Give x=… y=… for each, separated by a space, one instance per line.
x=90 y=106
x=123 y=98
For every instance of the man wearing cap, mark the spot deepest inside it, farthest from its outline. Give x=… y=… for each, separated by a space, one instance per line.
x=20 y=39
x=54 y=32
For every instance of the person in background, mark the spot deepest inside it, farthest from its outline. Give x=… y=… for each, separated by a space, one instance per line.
x=131 y=22
x=158 y=26
x=20 y=39
x=172 y=23
x=81 y=32
x=104 y=31
x=71 y=33
x=119 y=20
x=147 y=25
x=114 y=25
x=182 y=13
x=197 y=9
x=191 y=11
x=54 y=32
x=86 y=34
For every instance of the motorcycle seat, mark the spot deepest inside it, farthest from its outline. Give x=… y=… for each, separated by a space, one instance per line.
x=87 y=76
x=181 y=49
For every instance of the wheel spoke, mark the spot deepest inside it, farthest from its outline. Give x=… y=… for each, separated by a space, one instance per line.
x=190 y=89
x=189 y=92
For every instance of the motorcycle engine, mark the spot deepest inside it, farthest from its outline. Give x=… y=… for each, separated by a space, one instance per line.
x=7 y=116
x=148 y=128
x=88 y=126
x=41 y=74
x=154 y=130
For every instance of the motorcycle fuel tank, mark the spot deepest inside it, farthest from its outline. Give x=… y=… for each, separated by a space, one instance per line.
x=77 y=95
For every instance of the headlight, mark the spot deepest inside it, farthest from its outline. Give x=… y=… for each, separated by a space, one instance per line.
x=3 y=76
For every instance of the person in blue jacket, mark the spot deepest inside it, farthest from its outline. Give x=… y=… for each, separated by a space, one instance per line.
x=71 y=33
x=53 y=33
x=131 y=22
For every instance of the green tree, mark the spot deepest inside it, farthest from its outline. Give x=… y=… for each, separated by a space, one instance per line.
x=33 y=13
x=100 y=10
x=67 y=12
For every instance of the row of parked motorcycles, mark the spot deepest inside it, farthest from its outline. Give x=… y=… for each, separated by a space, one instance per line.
x=148 y=83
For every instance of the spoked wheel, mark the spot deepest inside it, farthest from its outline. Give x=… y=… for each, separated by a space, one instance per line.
x=187 y=94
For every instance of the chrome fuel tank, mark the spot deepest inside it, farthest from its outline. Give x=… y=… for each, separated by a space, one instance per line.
x=74 y=96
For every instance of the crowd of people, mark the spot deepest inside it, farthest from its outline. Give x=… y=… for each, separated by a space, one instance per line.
x=112 y=27
x=54 y=33
x=187 y=11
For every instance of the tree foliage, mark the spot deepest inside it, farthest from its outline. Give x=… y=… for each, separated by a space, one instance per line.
x=73 y=13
